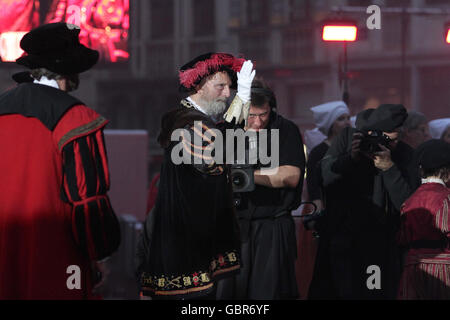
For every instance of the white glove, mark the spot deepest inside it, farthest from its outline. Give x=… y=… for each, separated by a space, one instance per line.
x=244 y=81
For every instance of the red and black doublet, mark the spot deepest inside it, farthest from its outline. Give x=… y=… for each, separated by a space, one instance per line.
x=54 y=211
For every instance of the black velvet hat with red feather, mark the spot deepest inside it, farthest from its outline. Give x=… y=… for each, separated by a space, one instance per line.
x=192 y=73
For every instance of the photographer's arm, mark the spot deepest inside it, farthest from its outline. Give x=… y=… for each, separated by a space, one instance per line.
x=398 y=188
x=280 y=177
x=396 y=184
x=341 y=158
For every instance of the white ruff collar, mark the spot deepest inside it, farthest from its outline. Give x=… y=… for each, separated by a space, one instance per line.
x=196 y=106
x=433 y=180
x=47 y=82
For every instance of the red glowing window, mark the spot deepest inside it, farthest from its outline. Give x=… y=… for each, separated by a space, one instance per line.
x=104 y=24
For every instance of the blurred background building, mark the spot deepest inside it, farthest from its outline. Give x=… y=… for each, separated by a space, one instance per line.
x=283 y=38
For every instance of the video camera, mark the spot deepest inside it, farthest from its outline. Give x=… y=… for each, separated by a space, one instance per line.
x=242 y=178
x=370 y=142
x=242 y=174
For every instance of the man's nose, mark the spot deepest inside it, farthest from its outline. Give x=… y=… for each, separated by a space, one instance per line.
x=226 y=92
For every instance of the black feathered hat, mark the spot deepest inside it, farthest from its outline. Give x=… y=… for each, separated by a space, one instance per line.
x=433 y=154
x=56 y=47
x=192 y=73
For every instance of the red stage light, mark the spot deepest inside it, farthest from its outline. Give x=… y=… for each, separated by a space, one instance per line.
x=447 y=32
x=339 y=32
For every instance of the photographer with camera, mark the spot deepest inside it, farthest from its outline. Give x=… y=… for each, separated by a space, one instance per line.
x=268 y=243
x=367 y=175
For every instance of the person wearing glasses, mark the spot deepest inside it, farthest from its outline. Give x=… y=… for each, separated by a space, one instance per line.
x=267 y=229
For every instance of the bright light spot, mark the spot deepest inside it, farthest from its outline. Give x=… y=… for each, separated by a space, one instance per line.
x=339 y=33
x=10 y=45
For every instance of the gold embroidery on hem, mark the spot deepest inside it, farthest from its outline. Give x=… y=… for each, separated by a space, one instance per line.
x=175 y=292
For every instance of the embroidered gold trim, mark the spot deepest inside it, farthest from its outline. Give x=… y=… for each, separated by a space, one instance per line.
x=196 y=281
x=175 y=292
x=80 y=130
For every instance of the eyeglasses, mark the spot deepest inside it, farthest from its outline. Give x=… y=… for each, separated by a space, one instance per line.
x=261 y=115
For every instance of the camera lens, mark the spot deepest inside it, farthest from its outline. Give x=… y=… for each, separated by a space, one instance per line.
x=238 y=179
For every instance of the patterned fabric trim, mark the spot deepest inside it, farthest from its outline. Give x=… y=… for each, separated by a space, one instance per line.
x=189 y=283
x=443 y=258
x=84 y=129
x=187 y=104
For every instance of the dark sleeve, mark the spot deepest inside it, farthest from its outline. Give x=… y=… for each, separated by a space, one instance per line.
x=337 y=162
x=397 y=186
x=314 y=172
x=85 y=182
x=291 y=146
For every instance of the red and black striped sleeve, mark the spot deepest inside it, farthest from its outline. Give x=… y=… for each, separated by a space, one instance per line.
x=79 y=139
x=86 y=181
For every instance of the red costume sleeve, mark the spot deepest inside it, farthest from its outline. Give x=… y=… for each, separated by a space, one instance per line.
x=79 y=137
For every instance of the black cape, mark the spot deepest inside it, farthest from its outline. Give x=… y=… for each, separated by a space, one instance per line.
x=191 y=237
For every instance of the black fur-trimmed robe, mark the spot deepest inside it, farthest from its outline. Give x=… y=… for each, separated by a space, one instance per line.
x=191 y=237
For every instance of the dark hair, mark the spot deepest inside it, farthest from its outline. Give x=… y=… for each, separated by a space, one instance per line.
x=261 y=94
x=42 y=72
x=73 y=80
x=443 y=172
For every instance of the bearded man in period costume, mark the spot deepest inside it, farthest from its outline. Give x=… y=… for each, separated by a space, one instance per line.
x=191 y=238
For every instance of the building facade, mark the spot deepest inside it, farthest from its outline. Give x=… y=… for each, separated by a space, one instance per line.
x=283 y=39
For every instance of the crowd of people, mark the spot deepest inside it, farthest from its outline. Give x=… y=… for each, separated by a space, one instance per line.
x=378 y=183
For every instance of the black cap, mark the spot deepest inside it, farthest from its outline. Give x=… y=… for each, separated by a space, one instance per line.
x=362 y=118
x=386 y=118
x=433 y=154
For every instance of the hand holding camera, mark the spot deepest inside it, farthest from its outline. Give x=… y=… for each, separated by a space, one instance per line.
x=382 y=159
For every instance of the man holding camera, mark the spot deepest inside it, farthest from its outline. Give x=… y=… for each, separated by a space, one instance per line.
x=268 y=243
x=367 y=176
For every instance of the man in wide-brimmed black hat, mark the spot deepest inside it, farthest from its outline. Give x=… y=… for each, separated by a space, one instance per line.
x=191 y=237
x=367 y=175
x=56 y=221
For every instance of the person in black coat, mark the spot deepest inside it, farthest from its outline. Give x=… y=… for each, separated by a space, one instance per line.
x=367 y=174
